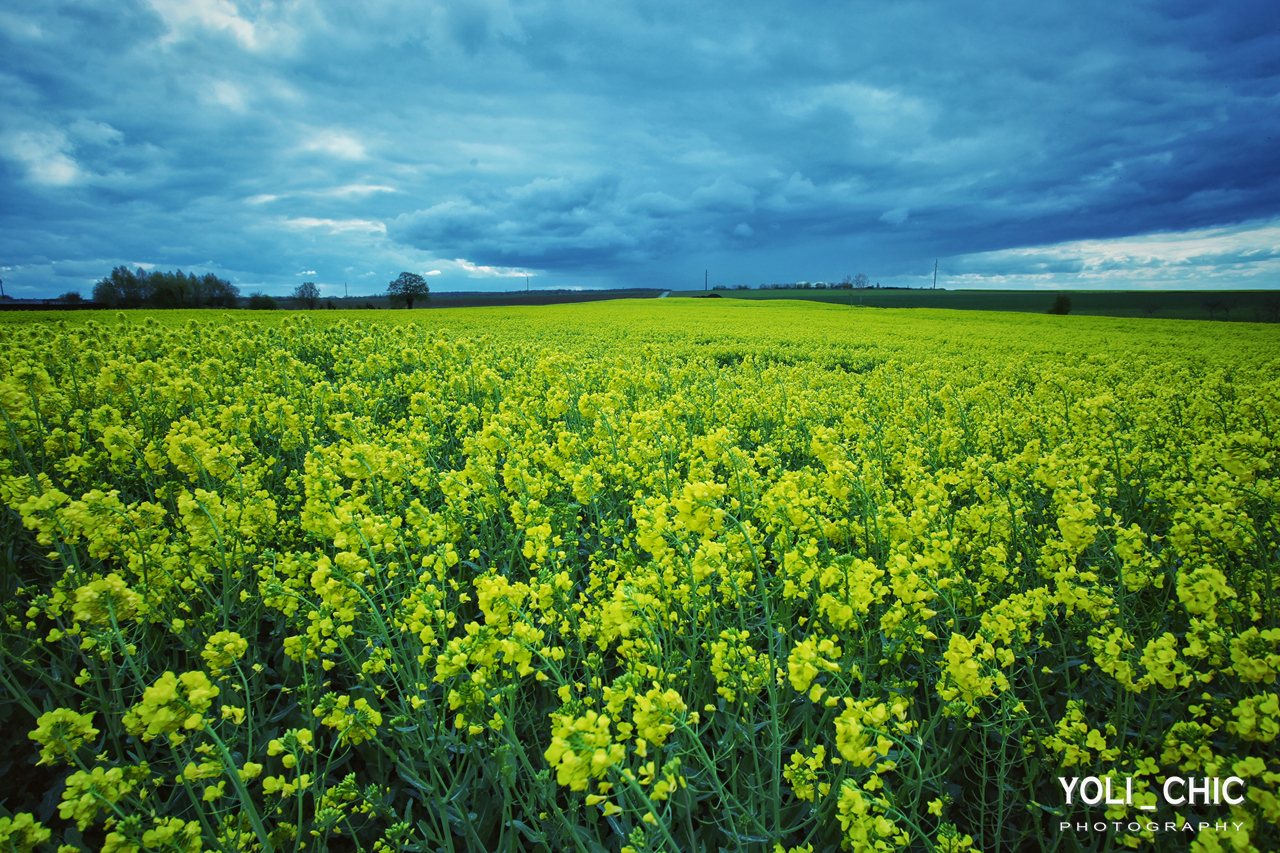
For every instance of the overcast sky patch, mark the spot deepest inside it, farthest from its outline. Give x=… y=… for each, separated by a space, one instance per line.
x=1098 y=144
x=1246 y=254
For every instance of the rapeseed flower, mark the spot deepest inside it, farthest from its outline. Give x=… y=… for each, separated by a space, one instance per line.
x=172 y=703
x=61 y=732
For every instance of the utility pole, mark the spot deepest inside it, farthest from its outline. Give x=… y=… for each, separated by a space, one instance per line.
x=935 y=273
x=705 y=277
x=345 y=294
x=526 y=284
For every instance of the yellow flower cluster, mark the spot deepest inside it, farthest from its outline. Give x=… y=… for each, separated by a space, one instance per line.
x=964 y=677
x=22 y=833
x=796 y=573
x=355 y=721
x=87 y=793
x=810 y=657
x=60 y=733
x=864 y=824
x=173 y=835
x=802 y=775
x=222 y=650
x=174 y=702
x=861 y=728
x=1256 y=718
x=101 y=601
x=582 y=749
x=1255 y=655
x=738 y=668
x=656 y=714
x=1077 y=742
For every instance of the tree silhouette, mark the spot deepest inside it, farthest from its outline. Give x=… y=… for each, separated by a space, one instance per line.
x=307 y=293
x=125 y=288
x=407 y=288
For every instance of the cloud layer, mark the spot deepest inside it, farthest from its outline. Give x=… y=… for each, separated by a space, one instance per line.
x=639 y=144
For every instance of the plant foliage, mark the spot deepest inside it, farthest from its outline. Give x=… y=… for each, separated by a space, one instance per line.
x=663 y=575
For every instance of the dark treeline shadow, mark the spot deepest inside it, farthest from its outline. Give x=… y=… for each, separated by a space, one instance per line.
x=126 y=288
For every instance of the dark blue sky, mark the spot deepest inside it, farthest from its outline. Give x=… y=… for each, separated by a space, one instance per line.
x=585 y=144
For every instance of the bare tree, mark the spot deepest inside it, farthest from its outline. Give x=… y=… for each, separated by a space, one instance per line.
x=307 y=293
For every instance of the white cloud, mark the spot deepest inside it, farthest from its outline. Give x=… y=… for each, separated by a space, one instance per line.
x=224 y=93
x=479 y=271
x=335 y=226
x=336 y=143
x=95 y=132
x=45 y=155
x=1246 y=255
x=356 y=190
x=181 y=16
x=880 y=114
x=724 y=193
x=897 y=216
x=656 y=204
x=20 y=25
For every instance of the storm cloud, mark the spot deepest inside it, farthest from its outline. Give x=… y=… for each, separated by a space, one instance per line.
x=585 y=144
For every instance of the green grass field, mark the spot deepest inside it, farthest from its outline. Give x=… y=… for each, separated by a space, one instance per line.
x=1247 y=306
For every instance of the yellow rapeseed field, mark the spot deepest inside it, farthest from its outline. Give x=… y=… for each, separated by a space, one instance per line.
x=672 y=575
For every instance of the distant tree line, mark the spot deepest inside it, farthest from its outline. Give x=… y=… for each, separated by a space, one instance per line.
x=850 y=282
x=259 y=301
x=126 y=288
